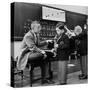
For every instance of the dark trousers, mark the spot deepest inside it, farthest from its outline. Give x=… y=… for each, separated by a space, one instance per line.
x=38 y=59
x=44 y=70
x=84 y=64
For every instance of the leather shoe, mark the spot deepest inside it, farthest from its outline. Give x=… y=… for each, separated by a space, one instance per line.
x=47 y=81
x=84 y=77
x=81 y=75
x=62 y=83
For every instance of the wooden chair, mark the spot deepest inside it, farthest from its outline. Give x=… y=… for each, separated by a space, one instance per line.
x=38 y=63
x=31 y=66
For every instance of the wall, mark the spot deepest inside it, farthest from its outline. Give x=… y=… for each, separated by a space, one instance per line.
x=23 y=12
x=15 y=48
x=72 y=8
x=73 y=19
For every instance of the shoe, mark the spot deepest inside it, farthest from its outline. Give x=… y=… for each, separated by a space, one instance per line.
x=81 y=75
x=47 y=81
x=51 y=81
x=84 y=77
x=62 y=83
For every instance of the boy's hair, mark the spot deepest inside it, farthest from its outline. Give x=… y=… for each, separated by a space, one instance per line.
x=60 y=25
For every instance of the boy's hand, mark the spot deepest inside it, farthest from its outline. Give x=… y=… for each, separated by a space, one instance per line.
x=61 y=43
x=56 y=46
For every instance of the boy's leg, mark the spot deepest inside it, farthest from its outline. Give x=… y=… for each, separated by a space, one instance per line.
x=62 y=71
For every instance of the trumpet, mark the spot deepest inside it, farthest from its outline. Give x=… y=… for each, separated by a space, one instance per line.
x=69 y=33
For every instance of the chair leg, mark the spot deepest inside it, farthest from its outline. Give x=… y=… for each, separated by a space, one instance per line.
x=12 y=78
x=42 y=74
x=69 y=58
x=22 y=78
x=31 y=75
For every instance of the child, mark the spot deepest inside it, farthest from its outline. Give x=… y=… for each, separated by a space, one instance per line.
x=62 y=48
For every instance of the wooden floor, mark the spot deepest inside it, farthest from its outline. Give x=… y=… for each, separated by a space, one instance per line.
x=73 y=72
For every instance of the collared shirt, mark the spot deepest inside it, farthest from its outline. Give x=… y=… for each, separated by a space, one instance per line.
x=37 y=39
x=35 y=36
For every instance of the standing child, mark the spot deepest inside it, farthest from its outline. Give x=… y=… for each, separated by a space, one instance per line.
x=62 y=46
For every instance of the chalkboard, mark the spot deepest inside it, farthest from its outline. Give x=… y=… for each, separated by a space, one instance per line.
x=23 y=14
x=73 y=19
